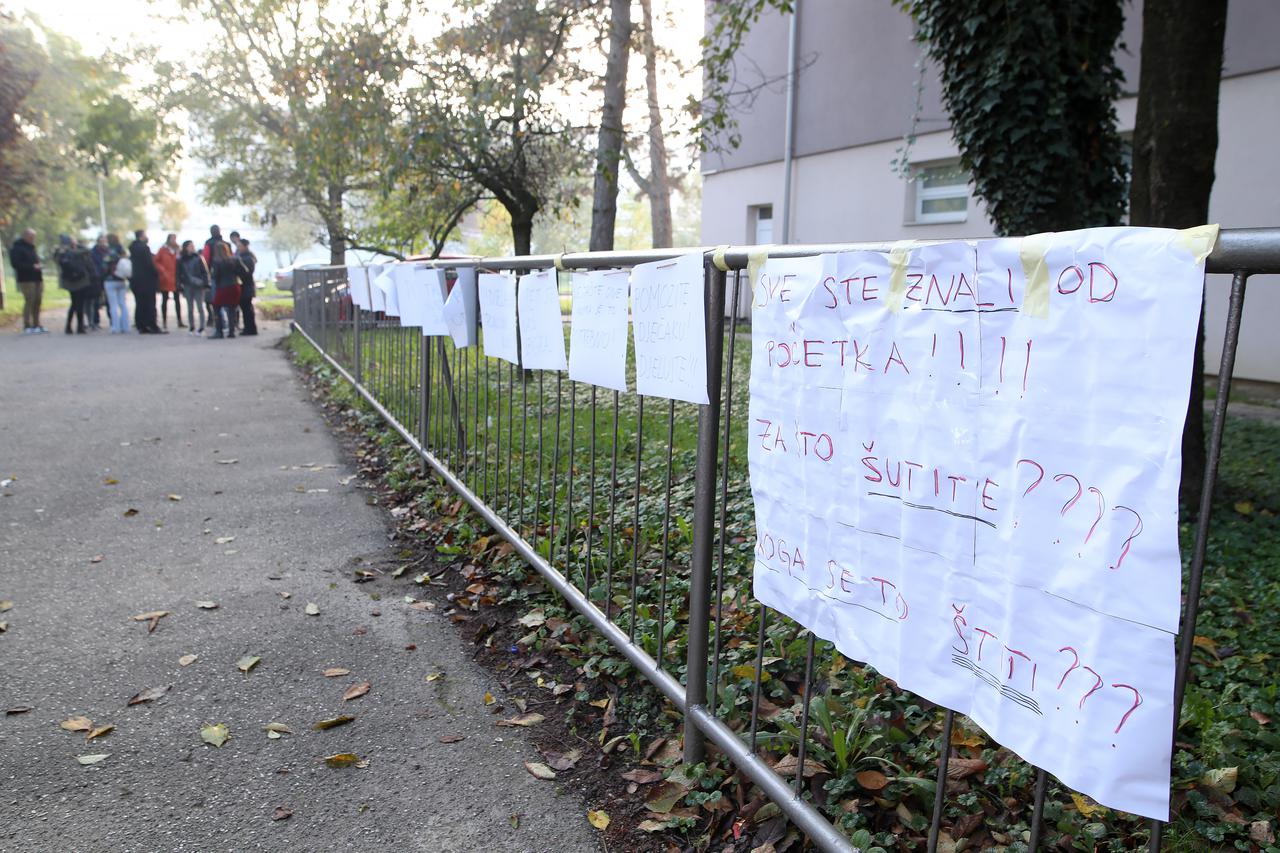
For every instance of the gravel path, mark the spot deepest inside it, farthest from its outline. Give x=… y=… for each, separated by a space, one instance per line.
x=94 y=427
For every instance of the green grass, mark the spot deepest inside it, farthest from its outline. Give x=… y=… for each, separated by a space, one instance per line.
x=859 y=721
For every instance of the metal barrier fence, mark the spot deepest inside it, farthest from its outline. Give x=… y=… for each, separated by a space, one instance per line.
x=638 y=510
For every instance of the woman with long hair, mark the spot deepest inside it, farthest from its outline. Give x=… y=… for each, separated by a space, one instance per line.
x=225 y=274
x=193 y=278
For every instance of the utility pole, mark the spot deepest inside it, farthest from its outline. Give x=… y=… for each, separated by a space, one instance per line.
x=102 y=205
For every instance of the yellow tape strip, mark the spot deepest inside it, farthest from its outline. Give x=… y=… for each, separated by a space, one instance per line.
x=1199 y=241
x=755 y=260
x=717 y=258
x=559 y=262
x=898 y=274
x=1035 y=299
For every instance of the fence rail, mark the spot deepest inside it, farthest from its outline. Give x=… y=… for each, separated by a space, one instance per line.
x=636 y=509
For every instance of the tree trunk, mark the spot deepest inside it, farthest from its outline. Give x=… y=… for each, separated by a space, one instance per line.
x=604 y=206
x=659 y=186
x=334 y=225
x=1175 y=142
x=522 y=232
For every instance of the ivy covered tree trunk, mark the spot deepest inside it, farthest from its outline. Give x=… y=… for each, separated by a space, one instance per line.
x=604 y=207
x=659 y=184
x=334 y=224
x=1030 y=88
x=1175 y=142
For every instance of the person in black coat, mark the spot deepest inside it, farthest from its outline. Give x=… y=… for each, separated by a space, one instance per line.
x=26 y=266
x=143 y=284
x=248 y=261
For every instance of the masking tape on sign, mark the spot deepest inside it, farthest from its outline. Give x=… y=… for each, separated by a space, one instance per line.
x=1198 y=241
x=898 y=274
x=1031 y=251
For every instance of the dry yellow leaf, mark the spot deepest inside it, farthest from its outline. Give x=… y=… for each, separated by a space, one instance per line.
x=598 y=819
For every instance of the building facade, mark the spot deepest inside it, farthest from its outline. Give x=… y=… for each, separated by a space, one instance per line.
x=861 y=83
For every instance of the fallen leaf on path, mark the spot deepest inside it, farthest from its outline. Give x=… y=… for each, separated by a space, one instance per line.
x=539 y=770
x=110 y=481
x=247 y=662
x=664 y=797
x=961 y=768
x=216 y=734
x=4 y=626
x=149 y=695
x=355 y=691
x=77 y=724
x=522 y=720
x=435 y=676
x=92 y=759
x=642 y=777
x=333 y=722
x=346 y=481
x=96 y=558
x=651 y=825
x=281 y=813
x=100 y=731
x=488 y=699
x=533 y=619
x=186 y=660
x=342 y=759
x=207 y=605
x=18 y=709
x=275 y=730
x=284 y=594
x=130 y=512
x=174 y=498
x=452 y=738
x=872 y=780
x=565 y=761
x=223 y=540
x=514 y=817
x=152 y=618
x=312 y=609
x=226 y=461
x=1221 y=779
x=335 y=671
x=599 y=819
x=5 y=605
x=788 y=764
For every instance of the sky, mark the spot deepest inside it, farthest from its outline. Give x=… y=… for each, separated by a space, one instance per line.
x=679 y=25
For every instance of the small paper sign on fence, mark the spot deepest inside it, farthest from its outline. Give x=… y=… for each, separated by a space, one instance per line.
x=460 y=309
x=598 y=331
x=409 y=295
x=498 y=310
x=386 y=285
x=432 y=283
x=357 y=286
x=669 y=321
x=965 y=463
x=541 y=327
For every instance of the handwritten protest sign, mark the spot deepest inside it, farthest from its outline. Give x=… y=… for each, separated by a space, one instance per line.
x=497 y=294
x=965 y=461
x=386 y=284
x=432 y=284
x=541 y=329
x=377 y=300
x=598 y=331
x=460 y=309
x=669 y=321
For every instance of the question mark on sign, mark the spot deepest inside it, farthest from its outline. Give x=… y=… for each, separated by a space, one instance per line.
x=1038 y=479
x=1096 y=687
x=1137 y=528
x=1102 y=508
x=1072 y=501
x=1137 y=700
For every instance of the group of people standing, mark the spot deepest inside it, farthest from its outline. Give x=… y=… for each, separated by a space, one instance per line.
x=218 y=277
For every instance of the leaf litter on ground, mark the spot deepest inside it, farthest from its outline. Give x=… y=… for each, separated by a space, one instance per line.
x=149 y=695
x=215 y=734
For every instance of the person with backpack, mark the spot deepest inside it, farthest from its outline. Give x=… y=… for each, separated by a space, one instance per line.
x=97 y=299
x=119 y=270
x=248 y=262
x=25 y=259
x=75 y=275
x=193 y=278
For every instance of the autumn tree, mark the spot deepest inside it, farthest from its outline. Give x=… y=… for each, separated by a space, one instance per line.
x=657 y=184
x=490 y=106
x=611 y=136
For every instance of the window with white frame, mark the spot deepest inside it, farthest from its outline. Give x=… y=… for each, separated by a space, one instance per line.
x=941 y=194
x=761 y=219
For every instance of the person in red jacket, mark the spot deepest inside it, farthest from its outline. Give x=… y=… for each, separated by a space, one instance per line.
x=166 y=259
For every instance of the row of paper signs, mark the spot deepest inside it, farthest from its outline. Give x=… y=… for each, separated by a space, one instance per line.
x=524 y=325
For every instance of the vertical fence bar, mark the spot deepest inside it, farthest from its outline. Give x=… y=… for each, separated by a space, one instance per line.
x=704 y=513
x=724 y=495
x=940 y=794
x=1186 y=640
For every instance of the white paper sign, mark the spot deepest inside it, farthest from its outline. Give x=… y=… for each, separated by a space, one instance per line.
x=669 y=321
x=377 y=300
x=410 y=295
x=498 y=312
x=965 y=463
x=432 y=283
x=386 y=283
x=358 y=286
x=460 y=309
x=541 y=327
x=598 y=332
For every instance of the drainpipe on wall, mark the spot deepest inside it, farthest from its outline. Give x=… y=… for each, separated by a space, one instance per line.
x=788 y=145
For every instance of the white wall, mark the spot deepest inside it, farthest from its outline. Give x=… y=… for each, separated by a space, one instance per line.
x=852 y=195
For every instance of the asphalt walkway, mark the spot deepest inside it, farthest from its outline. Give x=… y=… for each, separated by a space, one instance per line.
x=144 y=474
